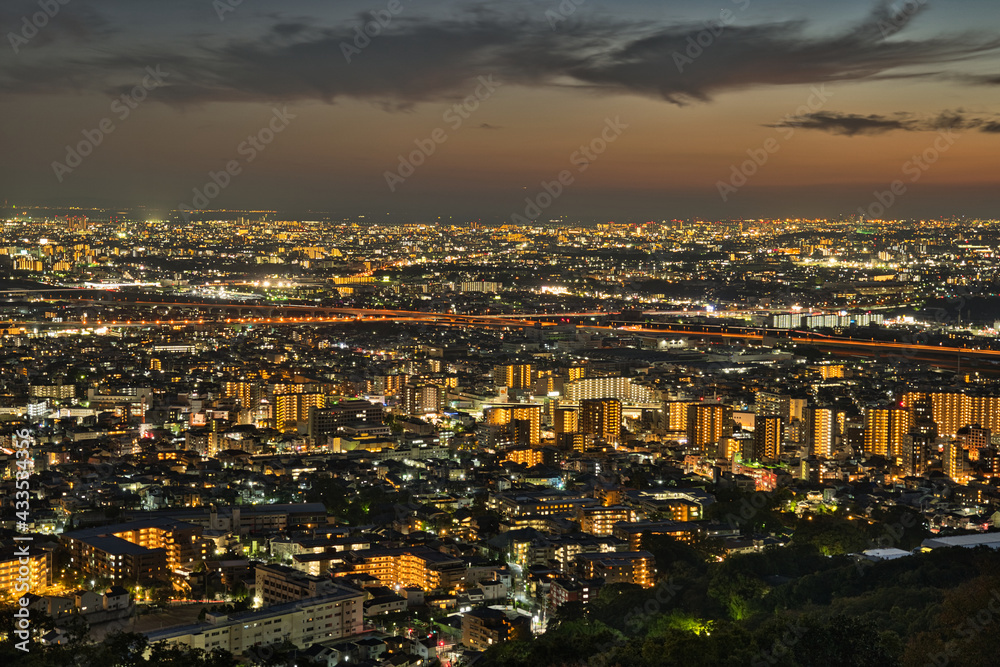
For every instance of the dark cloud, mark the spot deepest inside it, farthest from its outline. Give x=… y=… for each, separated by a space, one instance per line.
x=851 y=125
x=842 y=123
x=417 y=60
x=289 y=29
x=487 y=126
x=75 y=22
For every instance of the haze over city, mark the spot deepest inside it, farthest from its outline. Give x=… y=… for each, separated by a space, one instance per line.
x=698 y=86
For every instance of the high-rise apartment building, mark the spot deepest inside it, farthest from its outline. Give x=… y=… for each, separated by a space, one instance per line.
x=821 y=431
x=675 y=415
x=768 y=403
x=422 y=399
x=951 y=410
x=885 y=431
x=290 y=409
x=622 y=388
x=513 y=376
x=767 y=437
x=707 y=424
x=347 y=415
x=602 y=417
x=513 y=424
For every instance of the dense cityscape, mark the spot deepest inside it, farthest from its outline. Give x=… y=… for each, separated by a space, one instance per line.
x=535 y=333
x=272 y=441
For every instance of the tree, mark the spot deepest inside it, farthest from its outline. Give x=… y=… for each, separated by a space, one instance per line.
x=831 y=535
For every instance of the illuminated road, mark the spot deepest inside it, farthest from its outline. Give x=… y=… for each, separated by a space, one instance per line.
x=324 y=315
x=817 y=340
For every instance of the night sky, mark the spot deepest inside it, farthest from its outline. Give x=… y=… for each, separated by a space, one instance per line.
x=834 y=98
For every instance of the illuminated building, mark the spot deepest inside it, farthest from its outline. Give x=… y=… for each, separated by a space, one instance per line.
x=354 y=415
x=622 y=388
x=546 y=504
x=514 y=376
x=28 y=264
x=422 y=567
x=954 y=462
x=602 y=417
x=483 y=628
x=145 y=549
x=385 y=385
x=619 y=567
x=916 y=451
x=278 y=584
x=526 y=456
x=821 y=431
x=563 y=591
x=989 y=462
x=730 y=447
x=885 y=431
x=973 y=439
x=290 y=409
x=635 y=532
x=54 y=391
x=675 y=414
x=953 y=410
x=985 y=412
x=566 y=420
x=334 y=615
x=601 y=521
x=248 y=392
x=767 y=437
x=513 y=424
x=707 y=424
x=38 y=576
x=832 y=371
x=767 y=403
x=811 y=469
x=422 y=399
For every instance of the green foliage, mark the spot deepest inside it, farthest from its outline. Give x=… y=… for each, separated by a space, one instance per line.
x=572 y=642
x=831 y=535
x=787 y=607
x=353 y=507
x=737 y=593
x=124 y=649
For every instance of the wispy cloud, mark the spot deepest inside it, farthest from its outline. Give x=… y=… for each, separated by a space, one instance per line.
x=850 y=125
x=419 y=59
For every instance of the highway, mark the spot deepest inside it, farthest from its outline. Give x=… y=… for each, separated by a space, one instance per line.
x=326 y=315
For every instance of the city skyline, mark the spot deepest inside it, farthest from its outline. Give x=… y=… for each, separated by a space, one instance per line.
x=625 y=112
